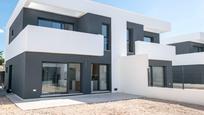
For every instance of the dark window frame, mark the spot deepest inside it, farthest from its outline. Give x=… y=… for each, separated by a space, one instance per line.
x=150 y=76
x=107 y=40
x=130 y=40
x=67 y=64
x=62 y=24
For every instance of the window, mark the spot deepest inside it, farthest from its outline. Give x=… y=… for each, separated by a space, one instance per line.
x=199 y=49
x=148 y=39
x=60 y=78
x=51 y=24
x=129 y=40
x=54 y=78
x=105 y=33
x=55 y=24
x=156 y=76
x=69 y=26
x=99 y=74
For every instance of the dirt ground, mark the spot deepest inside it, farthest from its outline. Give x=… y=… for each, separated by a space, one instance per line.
x=126 y=107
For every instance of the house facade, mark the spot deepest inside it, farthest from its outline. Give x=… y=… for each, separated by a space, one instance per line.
x=188 y=65
x=68 y=47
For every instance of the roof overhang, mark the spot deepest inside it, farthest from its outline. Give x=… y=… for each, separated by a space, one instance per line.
x=77 y=8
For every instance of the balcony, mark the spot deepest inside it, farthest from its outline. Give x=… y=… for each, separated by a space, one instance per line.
x=189 y=59
x=49 y=40
x=155 y=51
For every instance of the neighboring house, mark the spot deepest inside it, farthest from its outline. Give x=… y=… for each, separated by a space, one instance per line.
x=72 y=47
x=188 y=65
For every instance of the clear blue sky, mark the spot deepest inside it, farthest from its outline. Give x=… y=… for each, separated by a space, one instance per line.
x=186 y=16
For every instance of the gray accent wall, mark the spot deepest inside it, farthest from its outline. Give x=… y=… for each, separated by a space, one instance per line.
x=18 y=72
x=168 y=71
x=138 y=34
x=27 y=71
x=186 y=47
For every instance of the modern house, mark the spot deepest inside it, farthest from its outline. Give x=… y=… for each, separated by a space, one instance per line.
x=188 y=64
x=71 y=47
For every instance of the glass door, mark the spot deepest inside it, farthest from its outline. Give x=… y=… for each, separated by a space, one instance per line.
x=99 y=77
x=54 y=78
x=74 y=78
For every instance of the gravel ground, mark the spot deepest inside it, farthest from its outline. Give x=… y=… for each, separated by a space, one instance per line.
x=126 y=107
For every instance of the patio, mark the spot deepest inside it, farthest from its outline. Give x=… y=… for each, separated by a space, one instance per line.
x=40 y=103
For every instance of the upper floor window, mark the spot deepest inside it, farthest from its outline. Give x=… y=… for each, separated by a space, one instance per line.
x=55 y=24
x=105 y=33
x=129 y=40
x=148 y=39
x=199 y=49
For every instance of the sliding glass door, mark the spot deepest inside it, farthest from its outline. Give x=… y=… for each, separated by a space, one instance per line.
x=54 y=78
x=61 y=78
x=99 y=77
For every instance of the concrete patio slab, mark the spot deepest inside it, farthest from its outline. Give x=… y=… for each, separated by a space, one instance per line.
x=40 y=103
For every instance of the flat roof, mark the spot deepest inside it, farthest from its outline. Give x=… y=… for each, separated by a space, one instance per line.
x=197 y=37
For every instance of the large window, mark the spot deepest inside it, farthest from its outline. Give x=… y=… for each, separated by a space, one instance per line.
x=129 y=40
x=105 y=33
x=55 y=24
x=99 y=77
x=54 y=78
x=199 y=49
x=148 y=39
x=156 y=76
x=61 y=78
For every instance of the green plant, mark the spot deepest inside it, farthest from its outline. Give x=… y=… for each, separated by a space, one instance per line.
x=1 y=58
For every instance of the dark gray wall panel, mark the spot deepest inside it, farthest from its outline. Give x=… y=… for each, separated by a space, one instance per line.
x=18 y=74
x=168 y=70
x=91 y=23
x=28 y=71
x=16 y=27
x=186 y=47
x=138 y=34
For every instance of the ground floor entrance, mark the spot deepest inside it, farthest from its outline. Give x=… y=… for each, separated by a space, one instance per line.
x=65 y=78
x=35 y=75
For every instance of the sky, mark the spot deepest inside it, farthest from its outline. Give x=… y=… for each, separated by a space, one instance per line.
x=186 y=16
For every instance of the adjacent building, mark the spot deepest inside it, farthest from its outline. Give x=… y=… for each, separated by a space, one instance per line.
x=188 y=64
x=71 y=47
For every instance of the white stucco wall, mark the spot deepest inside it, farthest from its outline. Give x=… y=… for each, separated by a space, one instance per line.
x=133 y=71
x=189 y=59
x=49 y=40
x=155 y=51
x=194 y=37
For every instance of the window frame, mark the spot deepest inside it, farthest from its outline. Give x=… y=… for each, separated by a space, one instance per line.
x=107 y=47
x=150 y=76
